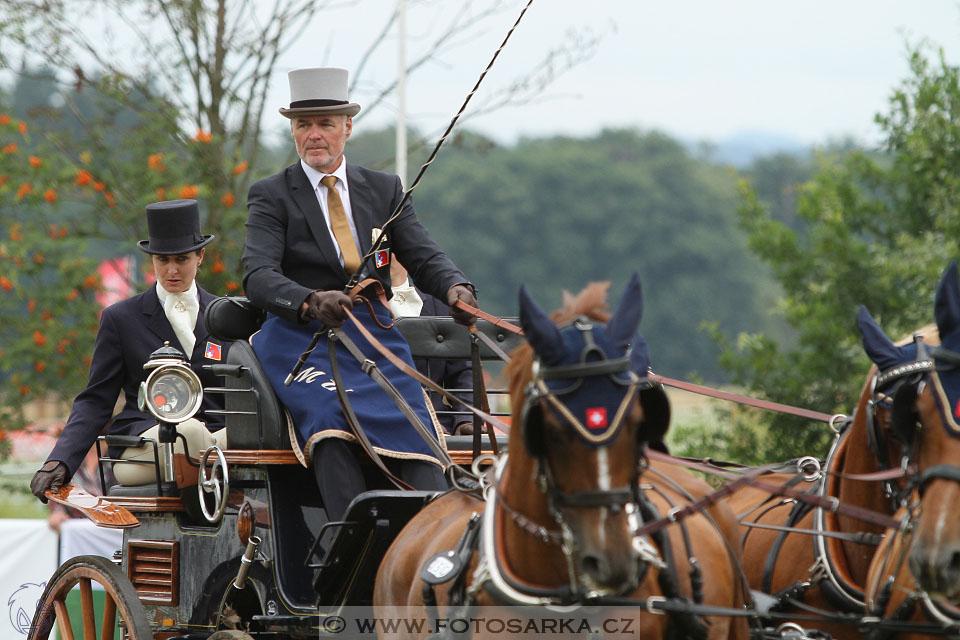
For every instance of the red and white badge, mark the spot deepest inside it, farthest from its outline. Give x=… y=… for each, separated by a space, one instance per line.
x=212 y=351
x=596 y=417
x=383 y=258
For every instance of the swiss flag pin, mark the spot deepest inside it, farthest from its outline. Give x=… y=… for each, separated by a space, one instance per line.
x=596 y=417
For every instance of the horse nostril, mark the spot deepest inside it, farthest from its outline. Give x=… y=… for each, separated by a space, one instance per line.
x=592 y=566
x=955 y=562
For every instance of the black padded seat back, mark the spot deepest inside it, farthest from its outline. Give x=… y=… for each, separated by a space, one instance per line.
x=255 y=418
x=441 y=338
x=233 y=318
x=254 y=398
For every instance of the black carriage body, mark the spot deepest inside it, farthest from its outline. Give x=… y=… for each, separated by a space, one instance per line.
x=305 y=568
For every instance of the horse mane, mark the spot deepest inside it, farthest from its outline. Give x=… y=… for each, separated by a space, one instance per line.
x=590 y=302
x=930 y=333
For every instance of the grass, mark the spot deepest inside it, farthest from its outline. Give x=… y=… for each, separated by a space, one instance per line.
x=16 y=501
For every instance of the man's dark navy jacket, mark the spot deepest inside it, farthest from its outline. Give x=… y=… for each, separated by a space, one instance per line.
x=130 y=331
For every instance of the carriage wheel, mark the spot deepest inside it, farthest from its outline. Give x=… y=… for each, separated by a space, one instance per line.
x=121 y=598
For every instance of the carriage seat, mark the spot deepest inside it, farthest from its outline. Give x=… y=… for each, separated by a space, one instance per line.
x=441 y=338
x=255 y=418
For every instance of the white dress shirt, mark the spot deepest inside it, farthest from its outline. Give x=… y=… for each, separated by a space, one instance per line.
x=182 y=310
x=314 y=177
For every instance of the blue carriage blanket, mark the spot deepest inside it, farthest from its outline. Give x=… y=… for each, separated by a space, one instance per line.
x=311 y=399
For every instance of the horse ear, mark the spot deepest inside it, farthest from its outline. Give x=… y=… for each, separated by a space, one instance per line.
x=878 y=346
x=639 y=356
x=947 y=304
x=624 y=322
x=541 y=332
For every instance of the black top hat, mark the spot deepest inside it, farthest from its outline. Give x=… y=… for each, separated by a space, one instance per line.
x=174 y=227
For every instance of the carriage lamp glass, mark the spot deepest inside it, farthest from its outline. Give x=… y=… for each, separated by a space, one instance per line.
x=172 y=393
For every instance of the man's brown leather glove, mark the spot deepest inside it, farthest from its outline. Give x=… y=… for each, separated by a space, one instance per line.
x=52 y=476
x=326 y=306
x=461 y=292
x=466 y=429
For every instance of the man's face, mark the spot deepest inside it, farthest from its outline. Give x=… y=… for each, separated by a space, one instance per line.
x=320 y=139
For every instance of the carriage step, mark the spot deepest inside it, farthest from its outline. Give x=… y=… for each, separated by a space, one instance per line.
x=285 y=623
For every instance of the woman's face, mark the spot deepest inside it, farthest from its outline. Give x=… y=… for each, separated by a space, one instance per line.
x=176 y=273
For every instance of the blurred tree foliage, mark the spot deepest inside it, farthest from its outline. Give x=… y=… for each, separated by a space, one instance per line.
x=119 y=103
x=875 y=229
x=558 y=213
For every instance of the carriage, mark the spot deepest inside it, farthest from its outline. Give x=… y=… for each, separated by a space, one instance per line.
x=237 y=544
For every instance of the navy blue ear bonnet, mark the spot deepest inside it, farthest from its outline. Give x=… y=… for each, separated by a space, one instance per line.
x=947 y=356
x=590 y=367
x=942 y=363
x=889 y=358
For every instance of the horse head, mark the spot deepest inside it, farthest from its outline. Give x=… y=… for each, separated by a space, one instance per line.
x=585 y=405
x=921 y=382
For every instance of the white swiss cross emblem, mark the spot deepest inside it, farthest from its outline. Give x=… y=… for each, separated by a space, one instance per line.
x=596 y=417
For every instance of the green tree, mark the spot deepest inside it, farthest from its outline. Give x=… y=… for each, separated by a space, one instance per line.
x=557 y=213
x=152 y=100
x=876 y=229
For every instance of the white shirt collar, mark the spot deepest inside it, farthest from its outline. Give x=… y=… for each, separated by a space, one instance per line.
x=314 y=176
x=163 y=294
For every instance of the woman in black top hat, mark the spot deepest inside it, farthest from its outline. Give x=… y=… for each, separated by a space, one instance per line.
x=132 y=329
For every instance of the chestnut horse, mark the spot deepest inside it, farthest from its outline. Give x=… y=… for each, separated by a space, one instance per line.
x=812 y=561
x=915 y=577
x=556 y=524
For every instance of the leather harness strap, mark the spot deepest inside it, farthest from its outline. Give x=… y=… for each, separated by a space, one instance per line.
x=751 y=402
x=830 y=504
x=422 y=379
x=679 y=384
x=354 y=423
x=494 y=320
x=480 y=391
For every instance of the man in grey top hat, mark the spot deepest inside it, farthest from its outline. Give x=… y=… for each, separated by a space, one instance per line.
x=307 y=229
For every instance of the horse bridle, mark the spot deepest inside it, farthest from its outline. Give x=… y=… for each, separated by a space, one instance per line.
x=539 y=396
x=909 y=379
x=899 y=375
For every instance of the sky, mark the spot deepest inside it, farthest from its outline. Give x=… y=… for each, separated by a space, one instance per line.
x=699 y=70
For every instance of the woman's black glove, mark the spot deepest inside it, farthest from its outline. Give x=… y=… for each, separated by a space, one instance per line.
x=51 y=476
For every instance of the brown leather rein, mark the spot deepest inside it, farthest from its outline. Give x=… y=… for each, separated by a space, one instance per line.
x=735 y=481
x=678 y=384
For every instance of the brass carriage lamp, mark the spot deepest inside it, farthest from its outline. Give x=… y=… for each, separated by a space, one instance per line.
x=172 y=394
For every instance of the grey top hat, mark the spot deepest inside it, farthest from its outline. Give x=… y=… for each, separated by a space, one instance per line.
x=174 y=227
x=319 y=91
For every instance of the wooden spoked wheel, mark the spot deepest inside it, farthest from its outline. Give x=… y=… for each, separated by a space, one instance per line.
x=121 y=598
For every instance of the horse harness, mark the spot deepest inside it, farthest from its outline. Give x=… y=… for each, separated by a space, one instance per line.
x=908 y=382
x=893 y=388
x=479 y=537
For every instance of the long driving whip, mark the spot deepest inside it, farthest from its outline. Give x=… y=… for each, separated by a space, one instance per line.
x=358 y=274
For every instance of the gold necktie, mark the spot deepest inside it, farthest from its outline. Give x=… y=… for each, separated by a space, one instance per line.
x=340 y=226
